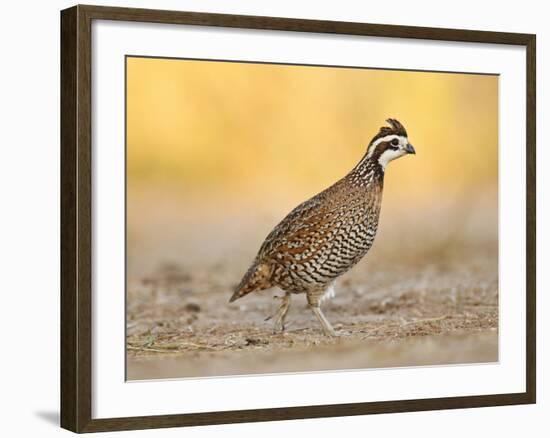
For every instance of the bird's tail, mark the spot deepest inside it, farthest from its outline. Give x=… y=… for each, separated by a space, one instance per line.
x=258 y=277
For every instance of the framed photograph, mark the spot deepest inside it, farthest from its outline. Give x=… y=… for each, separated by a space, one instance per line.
x=271 y=218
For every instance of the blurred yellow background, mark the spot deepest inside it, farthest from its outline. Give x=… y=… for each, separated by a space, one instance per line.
x=219 y=152
x=198 y=126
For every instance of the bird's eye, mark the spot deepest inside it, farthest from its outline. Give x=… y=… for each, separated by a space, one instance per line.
x=394 y=142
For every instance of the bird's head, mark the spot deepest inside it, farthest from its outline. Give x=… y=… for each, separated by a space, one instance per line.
x=390 y=143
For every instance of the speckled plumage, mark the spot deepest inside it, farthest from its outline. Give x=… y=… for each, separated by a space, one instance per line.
x=325 y=236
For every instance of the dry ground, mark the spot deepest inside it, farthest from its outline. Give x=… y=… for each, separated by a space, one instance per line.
x=426 y=294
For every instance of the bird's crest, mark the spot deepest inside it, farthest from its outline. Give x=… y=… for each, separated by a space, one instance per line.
x=395 y=128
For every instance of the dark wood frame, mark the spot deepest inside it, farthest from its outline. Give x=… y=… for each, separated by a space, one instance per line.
x=76 y=237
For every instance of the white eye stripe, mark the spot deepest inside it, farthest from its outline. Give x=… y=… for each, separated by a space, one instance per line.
x=388 y=138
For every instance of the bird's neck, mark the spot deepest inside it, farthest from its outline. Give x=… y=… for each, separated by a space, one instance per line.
x=368 y=171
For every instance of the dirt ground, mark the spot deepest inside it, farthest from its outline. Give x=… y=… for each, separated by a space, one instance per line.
x=427 y=297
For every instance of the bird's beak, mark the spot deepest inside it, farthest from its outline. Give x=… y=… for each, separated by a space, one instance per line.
x=410 y=149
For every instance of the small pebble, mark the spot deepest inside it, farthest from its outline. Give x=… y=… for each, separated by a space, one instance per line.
x=192 y=307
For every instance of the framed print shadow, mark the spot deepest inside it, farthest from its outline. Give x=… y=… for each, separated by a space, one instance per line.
x=270 y=218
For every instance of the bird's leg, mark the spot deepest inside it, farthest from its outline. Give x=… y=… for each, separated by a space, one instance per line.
x=327 y=328
x=315 y=305
x=280 y=315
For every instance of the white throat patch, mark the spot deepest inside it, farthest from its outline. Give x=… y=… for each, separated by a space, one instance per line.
x=389 y=154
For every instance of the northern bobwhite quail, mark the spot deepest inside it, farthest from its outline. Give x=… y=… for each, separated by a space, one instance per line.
x=325 y=236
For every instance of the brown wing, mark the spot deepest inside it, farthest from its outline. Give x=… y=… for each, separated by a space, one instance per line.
x=301 y=230
x=297 y=237
x=287 y=240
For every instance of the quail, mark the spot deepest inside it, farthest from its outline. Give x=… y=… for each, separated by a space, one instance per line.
x=325 y=236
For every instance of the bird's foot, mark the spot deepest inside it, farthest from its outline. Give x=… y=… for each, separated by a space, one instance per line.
x=278 y=328
x=280 y=315
x=327 y=327
x=279 y=324
x=332 y=333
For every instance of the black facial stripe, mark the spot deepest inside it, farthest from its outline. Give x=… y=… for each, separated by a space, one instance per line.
x=383 y=147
